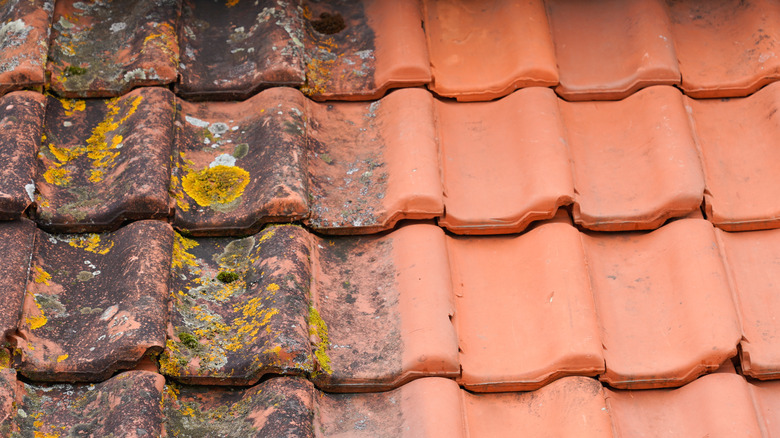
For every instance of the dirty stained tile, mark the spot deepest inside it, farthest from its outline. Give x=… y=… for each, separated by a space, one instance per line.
x=504 y=163
x=94 y=303
x=484 y=50
x=7 y=400
x=742 y=185
x=372 y=164
x=752 y=258
x=664 y=304
x=359 y=50
x=508 y=289
x=239 y=308
x=105 y=49
x=716 y=405
x=240 y=165
x=610 y=49
x=16 y=246
x=126 y=405
x=24 y=42
x=102 y=162
x=635 y=161
x=726 y=48
x=279 y=407
x=21 y=125
x=231 y=49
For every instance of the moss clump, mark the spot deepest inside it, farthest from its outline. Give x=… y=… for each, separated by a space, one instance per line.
x=227 y=276
x=74 y=70
x=216 y=185
x=317 y=327
x=189 y=341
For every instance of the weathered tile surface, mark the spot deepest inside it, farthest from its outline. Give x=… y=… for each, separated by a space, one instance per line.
x=231 y=49
x=24 y=41
x=240 y=165
x=106 y=48
x=21 y=124
x=95 y=303
x=102 y=162
x=16 y=247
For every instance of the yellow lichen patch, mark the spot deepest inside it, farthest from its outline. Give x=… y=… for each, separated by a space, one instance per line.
x=61 y=357
x=37 y=321
x=41 y=276
x=72 y=105
x=38 y=434
x=91 y=243
x=180 y=255
x=317 y=327
x=216 y=185
x=170 y=366
x=231 y=3
x=57 y=176
x=273 y=287
x=177 y=194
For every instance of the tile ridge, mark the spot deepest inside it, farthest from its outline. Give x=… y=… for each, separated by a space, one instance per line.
x=728 y=269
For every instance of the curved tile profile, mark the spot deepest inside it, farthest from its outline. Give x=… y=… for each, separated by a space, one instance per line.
x=504 y=163
x=742 y=184
x=21 y=125
x=140 y=49
x=240 y=164
x=24 y=41
x=716 y=405
x=239 y=308
x=126 y=405
x=508 y=290
x=726 y=48
x=664 y=304
x=280 y=407
x=469 y=41
x=95 y=303
x=231 y=49
x=358 y=50
x=752 y=259
x=608 y=50
x=103 y=162
x=635 y=161
x=16 y=246
x=371 y=165
x=766 y=396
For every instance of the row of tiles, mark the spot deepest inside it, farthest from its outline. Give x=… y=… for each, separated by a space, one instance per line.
x=345 y=168
x=339 y=49
x=639 y=310
x=140 y=404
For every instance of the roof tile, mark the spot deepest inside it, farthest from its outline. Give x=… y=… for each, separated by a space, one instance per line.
x=468 y=43
x=103 y=162
x=508 y=289
x=610 y=49
x=24 y=40
x=21 y=122
x=742 y=186
x=766 y=396
x=16 y=246
x=664 y=304
x=95 y=54
x=95 y=303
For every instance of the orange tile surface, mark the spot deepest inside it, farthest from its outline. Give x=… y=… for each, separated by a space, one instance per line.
x=664 y=304
x=24 y=41
x=614 y=163
x=621 y=47
x=510 y=289
x=481 y=51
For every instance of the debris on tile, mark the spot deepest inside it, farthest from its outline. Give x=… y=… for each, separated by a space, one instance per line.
x=21 y=125
x=103 y=162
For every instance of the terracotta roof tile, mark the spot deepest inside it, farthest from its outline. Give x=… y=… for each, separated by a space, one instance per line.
x=95 y=303
x=16 y=245
x=21 y=120
x=102 y=162
x=93 y=53
x=621 y=47
x=664 y=304
x=469 y=43
x=24 y=40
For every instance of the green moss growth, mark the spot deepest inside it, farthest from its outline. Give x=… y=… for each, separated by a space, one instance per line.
x=74 y=70
x=326 y=158
x=318 y=327
x=189 y=341
x=227 y=276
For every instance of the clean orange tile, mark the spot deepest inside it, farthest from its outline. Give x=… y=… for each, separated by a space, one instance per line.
x=752 y=259
x=484 y=50
x=609 y=49
x=524 y=309
x=738 y=141
x=726 y=48
x=716 y=405
x=569 y=407
x=372 y=164
x=766 y=396
x=635 y=161
x=504 y=163
x=664 y=304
